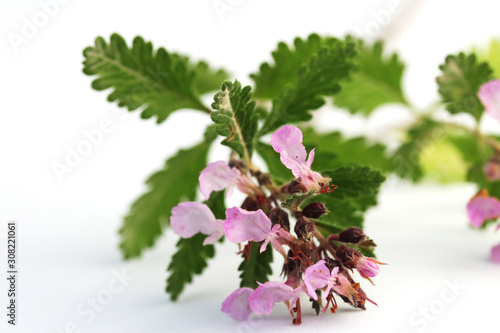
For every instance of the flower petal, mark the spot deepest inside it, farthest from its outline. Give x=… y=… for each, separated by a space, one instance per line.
x=218 y=176
x=287 y=141
x=481 y=209
x=341 y=285
x=242 y=225
x=310 y=159
x=268 y=294
x=236 y=305
x=367 y=267
x=495 y=253
x=316 y=277
x=189 y=218
x=312 y=179
x=216 y=234
x=489 y=95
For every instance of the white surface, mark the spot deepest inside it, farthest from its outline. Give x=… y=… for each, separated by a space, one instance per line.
x=68 y=230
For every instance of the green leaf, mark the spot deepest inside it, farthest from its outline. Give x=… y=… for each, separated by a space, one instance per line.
x=176 y=182
x=297 y=198
x=476 y=153
x=476 y=175
x=443 y=162
x=318 y=77
x=342 y=215
x=473 y=150
x=355 y=181
x=492 y=56
x=235 y=117
x=208 y=79
x=356 y=192
x=366 y=252
x=257 y=267
x=315 y=304
x=279 y=173
x=406 y=159
x=333 y=151
x=159 y=81
x=217 y=204
x=459 y=83
x=190 y=259
x=272 y=78
x=192 y=256
x=377 y=82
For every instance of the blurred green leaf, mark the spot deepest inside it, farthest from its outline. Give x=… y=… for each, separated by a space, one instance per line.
x=332 y=151
x=176 y=182
x=460 y=79
x=317 y=77
x=279 y=173
x=377 y=82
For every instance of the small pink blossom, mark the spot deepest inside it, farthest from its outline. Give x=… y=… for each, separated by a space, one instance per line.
x=318 y=276
x=482 y=207
x=268 y=294
x=241 y=226
x=367 y=267
x=218 y=176
x=492 y=169
x=489 y=95
x=287 y=141
x=189 y=218
x=237 y=305
x=495 y=253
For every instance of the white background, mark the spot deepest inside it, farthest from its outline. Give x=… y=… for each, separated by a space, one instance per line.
x=68 y=242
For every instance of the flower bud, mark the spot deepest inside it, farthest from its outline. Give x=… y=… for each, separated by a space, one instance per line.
x=250 y=205
x=347 y=255
x=492 y=169
x=367 y=267
x=368 y=244
x=279 y=216
x=314 y=210
x=293 y=187
x=332 y=263
x=237 y=164
x=263 y=178
x=304 y=229
x=352 y=235
x=291 y=264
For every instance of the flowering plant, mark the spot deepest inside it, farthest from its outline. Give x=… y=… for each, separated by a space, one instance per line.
x=309 y=266
x=306 y=206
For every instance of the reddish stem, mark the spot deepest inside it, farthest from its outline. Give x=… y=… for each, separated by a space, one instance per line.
x=298 y=320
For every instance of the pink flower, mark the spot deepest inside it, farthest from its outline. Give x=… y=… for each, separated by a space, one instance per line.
x=241 y=226
x=236 y=305
x=492 y=169
x=218 y=176
x=495 y=253
x=489 y=95
x=367 y=267
x=482 y=207
x=189 y=218
x=287 y=141
x=318 y=276
x=268 y=294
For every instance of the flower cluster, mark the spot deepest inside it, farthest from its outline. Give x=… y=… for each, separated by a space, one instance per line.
x=483 y=208
x=314 y=265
